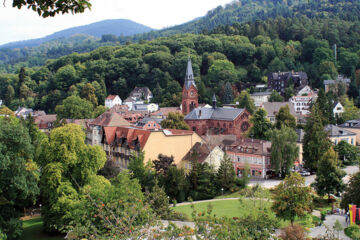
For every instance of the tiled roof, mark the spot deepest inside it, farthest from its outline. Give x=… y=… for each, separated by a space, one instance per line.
x=250 y=146
x=261 y=94
x=44 y=120
x=351 y=124
x=111 y=97
x=201 y=150
x=129 y=133
x=335 y=131
x=214 y=114
x=273 y=107
x=165 y=111
x=110 y=119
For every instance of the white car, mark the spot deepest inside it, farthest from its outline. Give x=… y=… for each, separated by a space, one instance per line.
x=305 y=173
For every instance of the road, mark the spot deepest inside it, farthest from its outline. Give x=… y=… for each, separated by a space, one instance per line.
x=308 y=179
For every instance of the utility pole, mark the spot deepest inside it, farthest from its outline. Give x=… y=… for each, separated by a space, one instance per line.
x=335 y=54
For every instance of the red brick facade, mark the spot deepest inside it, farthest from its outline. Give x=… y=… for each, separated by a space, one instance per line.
x=189 y=99
x=236 y=127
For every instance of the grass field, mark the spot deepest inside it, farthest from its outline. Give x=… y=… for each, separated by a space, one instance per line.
x=33 y=230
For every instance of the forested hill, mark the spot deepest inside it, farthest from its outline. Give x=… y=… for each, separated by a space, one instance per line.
x=241 y=11
x=118 y=27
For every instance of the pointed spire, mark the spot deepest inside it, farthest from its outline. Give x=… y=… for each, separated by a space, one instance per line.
x=189 y=76
x=214 y=101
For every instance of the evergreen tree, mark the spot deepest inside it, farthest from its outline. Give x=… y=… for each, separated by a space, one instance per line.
x=245 y=101
x=10 y=94
x=226 y=174
x=159 y=201
x=260 y=125
x=329 y=176
x=284 y=117
x=316 y=141
x=202 y=182
x=22 y=75
x=284 y=150
x=228 y=94
x=352 y=192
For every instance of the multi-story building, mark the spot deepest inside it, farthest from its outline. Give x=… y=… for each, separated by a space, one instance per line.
x=302 y=104
x=260 y=98
x=120 y=142
x=250 y=153
x=337 y=134
x=45 y=122
x=149 y=123
x=334 y=84
x=353 y=126
x=272 y=108
x=279 y=81
x=112 y=100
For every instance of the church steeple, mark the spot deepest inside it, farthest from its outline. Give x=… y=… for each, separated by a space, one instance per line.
x=189 y=76
x=190 y=92
x=214 y=101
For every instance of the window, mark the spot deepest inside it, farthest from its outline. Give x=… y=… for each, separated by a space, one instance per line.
x=352 y=141
x=149 y=125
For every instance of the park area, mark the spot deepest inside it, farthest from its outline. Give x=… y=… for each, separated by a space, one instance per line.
x=33 y=230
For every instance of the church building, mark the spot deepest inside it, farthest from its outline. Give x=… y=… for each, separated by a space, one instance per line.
x=211 y=121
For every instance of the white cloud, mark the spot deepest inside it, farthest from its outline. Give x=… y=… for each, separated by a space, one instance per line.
x=24 y=24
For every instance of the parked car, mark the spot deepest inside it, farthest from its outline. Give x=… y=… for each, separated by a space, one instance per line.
x=305 y=173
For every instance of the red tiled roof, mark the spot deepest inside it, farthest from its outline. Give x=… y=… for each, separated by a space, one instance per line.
x=202 y=151
x=111 y=97
x=43 y=120
x=110 y=119
x=166 y=110
x=129 y=133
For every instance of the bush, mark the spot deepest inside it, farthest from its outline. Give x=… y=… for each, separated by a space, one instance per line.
x=177 y=216
x=323 y=215
x=353 y=232
x=295 y=232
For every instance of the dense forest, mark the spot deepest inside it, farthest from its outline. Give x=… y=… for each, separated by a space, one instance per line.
x=241 y=54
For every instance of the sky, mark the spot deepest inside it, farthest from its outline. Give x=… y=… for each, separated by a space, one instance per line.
x=16 y=25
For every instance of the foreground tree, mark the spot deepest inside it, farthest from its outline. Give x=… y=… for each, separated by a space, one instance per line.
x=51 y=8
x=348 y=153
x=18 y=176
x=316 y=141
x=144 y=173
x=329 y=176
x=284 y=150
x=292 y=198
x=260 y=125
x=175 y=121
x=74 y=107
x=352 y=192
x=68 y=164
x=226 y=175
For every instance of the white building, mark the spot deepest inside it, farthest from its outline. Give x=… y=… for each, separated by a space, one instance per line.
x=112 y=100
x=1 y=102
x=305 y=91
x=152 y=107
x=302 y=104
x=260 y=98
x=338 y=109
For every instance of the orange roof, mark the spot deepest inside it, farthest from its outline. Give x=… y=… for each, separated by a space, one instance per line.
x=166 y=110
x=110 y=119
x=109 y=134
x=131 y=134
x=111 y=97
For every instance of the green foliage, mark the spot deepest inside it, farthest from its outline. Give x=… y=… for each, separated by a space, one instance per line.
x=352 y=191
x=18 y=175
x=275 y=97
x=225 y=175
x=291 y=198
x=245 y=101
x=350 y=111
x=159 y=201
x=202 y=180
x=348 y=153
x=316 y=141
x=285 y=118
x=68 y=164
x=174 y=121
x=74 y=107
x=284 y=150
x=329 y=176
x=143 y=173
x=260 y=125
x=228 y=96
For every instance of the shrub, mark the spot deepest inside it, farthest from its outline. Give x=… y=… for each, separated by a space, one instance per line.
x=323 y=215
x=295 y=232
x=353 y=231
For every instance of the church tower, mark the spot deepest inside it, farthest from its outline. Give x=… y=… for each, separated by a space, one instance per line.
x=189 y=92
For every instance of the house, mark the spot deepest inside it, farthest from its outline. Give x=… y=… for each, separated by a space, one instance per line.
x=252 y=153
x=260 y=98
x=120 y=143
x=107 y=119
x=305 y=91
x=218 y=121
x=337 y=134
x=338 y=109
x=279 y=81
x=141 y=94
x=272 y=108
x=302 y=103
x=203 y=153
x=45 y=122
x=149 y=123
x=164 y=112
x=112 y=100
x=23 y=112
x=353 y=126
x=151 y=107
x=334 y=84
x=132 y=117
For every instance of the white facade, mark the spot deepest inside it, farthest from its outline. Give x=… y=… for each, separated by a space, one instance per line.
x=260 y=98
x=305 y=91
x=302 y=103
x=338 y=109
x=1 y=102
x=153 y=107
x=112 y=100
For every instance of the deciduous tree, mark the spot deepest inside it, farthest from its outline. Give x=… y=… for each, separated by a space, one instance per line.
x=260 y=125
x=74 y=107
x=292 y=198
x=275 y=97
x=285 y=118
x=174 y=121
x=245 y=101
x=352 y=192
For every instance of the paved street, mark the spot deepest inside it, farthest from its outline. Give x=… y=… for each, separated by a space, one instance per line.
x=308 y=179
x=329 y=222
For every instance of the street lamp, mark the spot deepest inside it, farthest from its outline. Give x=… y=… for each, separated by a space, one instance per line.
x=222 y=191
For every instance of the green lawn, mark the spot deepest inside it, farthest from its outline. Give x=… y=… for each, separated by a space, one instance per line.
x=233 y=208
x=33 y=230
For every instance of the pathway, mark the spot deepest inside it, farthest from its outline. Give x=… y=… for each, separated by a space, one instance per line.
x=330 y=221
